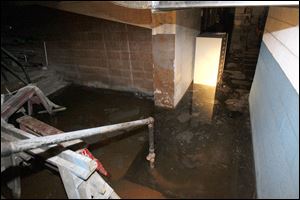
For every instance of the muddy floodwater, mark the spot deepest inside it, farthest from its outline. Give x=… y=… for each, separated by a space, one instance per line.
x=203 y=147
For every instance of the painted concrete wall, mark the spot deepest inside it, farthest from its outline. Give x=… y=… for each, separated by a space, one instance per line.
x=274 y=107
x=187 y=29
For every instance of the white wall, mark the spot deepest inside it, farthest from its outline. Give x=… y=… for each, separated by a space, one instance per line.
x=187 y=28
x=206 y=67
x=282 y=38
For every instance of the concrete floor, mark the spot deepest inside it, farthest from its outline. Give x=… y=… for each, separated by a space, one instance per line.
x=203 y=147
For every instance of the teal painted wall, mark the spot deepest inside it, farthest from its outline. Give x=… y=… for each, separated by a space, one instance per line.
x=274 y=112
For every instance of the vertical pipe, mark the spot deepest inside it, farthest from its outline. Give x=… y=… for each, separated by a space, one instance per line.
x=29 y=107
x=151 y=155
x=129 y=54
x=46 y=55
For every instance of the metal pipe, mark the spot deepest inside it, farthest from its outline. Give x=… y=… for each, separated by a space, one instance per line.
x=171 y=5
x=134 y=4
x=151 y=156
x=8 y=148
x=46 y=54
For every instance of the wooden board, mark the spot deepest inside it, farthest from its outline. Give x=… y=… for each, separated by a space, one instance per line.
x=37 y=126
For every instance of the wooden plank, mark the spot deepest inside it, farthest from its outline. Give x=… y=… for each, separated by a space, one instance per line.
x=38 y=126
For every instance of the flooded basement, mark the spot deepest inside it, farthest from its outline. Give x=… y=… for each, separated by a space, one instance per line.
x=203 y=147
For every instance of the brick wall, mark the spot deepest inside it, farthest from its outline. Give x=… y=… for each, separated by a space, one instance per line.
x=91 y=51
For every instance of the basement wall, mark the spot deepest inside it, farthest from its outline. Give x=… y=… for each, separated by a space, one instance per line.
x=90 y=51
x=274 y=107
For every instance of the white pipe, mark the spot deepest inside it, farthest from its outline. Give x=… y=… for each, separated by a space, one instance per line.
x=46 y=55
x=8 y=148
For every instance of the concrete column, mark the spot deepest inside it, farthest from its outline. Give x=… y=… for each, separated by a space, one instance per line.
x=163 y=52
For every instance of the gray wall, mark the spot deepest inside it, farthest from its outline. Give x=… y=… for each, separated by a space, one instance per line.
x=274 y=111
x=274 y=106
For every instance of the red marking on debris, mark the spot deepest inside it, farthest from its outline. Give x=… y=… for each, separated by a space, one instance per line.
x=100 y=167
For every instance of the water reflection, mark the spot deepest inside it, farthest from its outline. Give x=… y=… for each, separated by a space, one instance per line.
x=203 y=102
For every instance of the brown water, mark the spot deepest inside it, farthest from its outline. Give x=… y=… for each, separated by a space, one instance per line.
x=203 y=147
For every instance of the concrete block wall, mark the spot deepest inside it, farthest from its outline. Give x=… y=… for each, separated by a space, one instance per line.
x=274 y=107
x=91 y=51
x=118 y=56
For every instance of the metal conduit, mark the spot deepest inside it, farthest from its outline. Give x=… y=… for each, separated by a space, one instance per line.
x=8 y=148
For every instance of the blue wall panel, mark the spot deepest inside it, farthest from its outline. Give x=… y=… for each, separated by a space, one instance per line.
x=274 y=111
